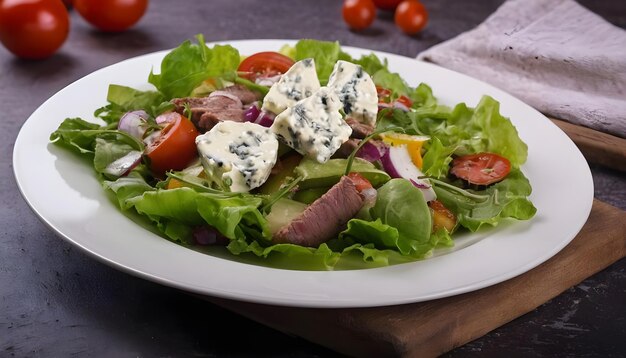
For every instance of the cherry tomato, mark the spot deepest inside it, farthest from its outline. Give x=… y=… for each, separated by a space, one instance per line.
x=481 y=168
x=111 y=15
x=411 y=16
x=384 y=96
x=359 y=181
x=33 y=29
x=175 y=147
x=388 y=5
x=264 y=64
x=358 y=14
x=443 y=218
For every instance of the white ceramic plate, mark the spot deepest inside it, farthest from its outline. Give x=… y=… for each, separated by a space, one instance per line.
x=64 y=193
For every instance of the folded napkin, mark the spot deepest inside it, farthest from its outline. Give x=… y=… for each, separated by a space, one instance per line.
x=555 y=55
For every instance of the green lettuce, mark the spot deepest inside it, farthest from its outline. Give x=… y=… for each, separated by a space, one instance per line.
x=476 y=208
x=185 y=67
x=401 y=221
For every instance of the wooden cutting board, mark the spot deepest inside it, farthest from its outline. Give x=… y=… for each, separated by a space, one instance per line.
x=435 y=327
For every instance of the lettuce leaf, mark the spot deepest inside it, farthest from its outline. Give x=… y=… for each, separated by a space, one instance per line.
x=324 y=53
x=185 y=67
x=476 y=208
x=401 y=221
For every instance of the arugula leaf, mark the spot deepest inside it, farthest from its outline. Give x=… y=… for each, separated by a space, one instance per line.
x=506 y=199
x=80 y=136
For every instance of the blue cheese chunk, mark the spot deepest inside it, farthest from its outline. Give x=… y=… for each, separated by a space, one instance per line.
x=313 y=126
x=298 y=83
x=356 y=91
x=238 y=155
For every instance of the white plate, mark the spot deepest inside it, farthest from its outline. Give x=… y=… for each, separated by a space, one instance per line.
x=64 y=193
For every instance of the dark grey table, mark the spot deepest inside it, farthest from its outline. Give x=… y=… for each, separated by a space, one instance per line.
x=55 y=301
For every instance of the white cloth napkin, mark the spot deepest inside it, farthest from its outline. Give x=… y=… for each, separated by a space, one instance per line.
x=555 y=55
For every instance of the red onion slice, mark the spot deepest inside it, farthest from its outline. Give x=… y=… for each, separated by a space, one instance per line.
x=252 y=113
x=124 y=165
x=267 y=81
x=227 y=95
x=398 y=164
x=372 y=151
x=134 y=123
x=207 y=235
x=265 y=119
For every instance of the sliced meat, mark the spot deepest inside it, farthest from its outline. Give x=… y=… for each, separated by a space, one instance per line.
x=347 y=148
x=208 y=111
x=359 y=130
x=245 y=94
x=325 y=218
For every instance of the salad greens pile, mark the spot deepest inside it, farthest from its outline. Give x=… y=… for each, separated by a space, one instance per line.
x=398 y=226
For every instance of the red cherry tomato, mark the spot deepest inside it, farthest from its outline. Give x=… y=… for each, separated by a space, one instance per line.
x=33 y=29
x=481 y=168
x=411 y=16
x=264 y=64
x=111 y=15
x=359 y=181
x=175 y=147
x=384 y=96
x=388 y=5
x=358 y=14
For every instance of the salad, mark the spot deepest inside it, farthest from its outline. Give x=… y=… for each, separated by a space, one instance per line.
x=306 y=158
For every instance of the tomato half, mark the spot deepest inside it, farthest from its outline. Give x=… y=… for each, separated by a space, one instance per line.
x=175 y=147
x=111 y=15
x=384 y=96
x=358 y=14
x=411 y=16
x=264 y=64
x=359 y=181
x=33 y=29
x=481 y=168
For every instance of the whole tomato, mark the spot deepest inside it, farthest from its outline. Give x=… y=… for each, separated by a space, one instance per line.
x=111 y=15
x=358 y=14
x=33 y=29
x=411 y=16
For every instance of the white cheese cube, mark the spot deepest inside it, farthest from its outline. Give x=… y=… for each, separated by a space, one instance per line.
x=313 y=126
x=299 y=82
x=356 y=91
x=238 y=155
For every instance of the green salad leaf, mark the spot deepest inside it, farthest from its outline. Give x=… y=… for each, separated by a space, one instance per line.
x=396 y=228
x=185 y=67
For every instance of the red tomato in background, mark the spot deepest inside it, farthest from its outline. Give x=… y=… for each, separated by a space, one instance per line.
x=111 y=15
x=33 y=29
x=411 y=16
x=388 y=5
x=175 y=147
x=358 y=14
x=264 y=64
x=481 y=168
